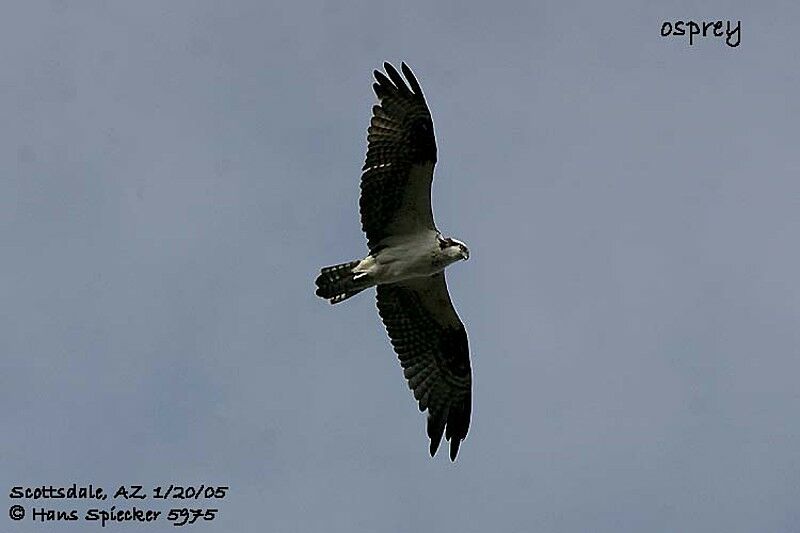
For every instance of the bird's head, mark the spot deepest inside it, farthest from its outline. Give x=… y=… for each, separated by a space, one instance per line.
x=453 y=249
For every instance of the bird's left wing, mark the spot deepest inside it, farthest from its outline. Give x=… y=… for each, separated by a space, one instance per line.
x=397 y=174
x=431 y=342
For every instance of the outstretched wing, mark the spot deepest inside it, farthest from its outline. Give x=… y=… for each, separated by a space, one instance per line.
x=401 y=153
x=431 y=343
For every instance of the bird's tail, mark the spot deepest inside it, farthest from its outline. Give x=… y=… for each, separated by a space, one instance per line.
x=337 y=283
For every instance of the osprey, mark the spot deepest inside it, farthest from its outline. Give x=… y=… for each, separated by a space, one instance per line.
x=407 y=257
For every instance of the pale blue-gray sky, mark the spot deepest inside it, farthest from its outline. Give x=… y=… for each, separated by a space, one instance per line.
x=174 y=173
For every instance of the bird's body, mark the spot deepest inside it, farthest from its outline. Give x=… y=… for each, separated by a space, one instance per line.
x=407 y=257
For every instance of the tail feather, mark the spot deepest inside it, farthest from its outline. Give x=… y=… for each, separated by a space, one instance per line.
x=337 y=283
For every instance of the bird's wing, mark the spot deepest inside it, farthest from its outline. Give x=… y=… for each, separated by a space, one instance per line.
x=431 y=342
x=401 y=154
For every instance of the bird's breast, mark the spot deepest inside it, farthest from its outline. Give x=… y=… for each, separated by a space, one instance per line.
x=409 y=258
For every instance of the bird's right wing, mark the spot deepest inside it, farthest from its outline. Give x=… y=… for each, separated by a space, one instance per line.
x=401 y=154
x=431 y=342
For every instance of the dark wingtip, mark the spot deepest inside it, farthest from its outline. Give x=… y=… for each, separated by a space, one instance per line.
x=382 y=79
x=412 y=80
x=396 y=78
x=436 y=425
x=454 y=444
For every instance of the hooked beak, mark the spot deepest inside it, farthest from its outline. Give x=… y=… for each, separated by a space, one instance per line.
x=465 y=253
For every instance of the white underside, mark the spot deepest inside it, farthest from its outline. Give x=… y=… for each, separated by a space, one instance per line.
x=404 y=257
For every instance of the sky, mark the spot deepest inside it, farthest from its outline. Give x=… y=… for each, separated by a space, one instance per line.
x=175 y=174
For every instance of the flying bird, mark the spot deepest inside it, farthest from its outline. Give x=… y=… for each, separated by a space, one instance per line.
x=407 y=257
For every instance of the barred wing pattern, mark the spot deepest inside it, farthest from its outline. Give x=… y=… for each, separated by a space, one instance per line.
x=431 y=342
x=401 y=153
